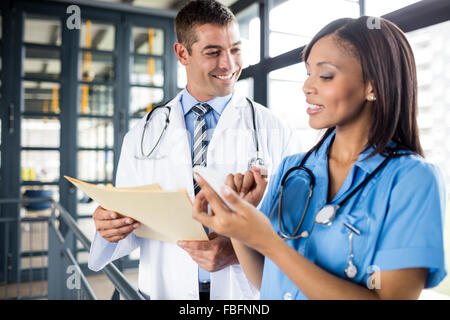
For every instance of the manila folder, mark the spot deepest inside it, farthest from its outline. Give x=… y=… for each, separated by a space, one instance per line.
x=164 y=215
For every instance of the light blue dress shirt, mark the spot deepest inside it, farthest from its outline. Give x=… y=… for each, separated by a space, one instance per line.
x=217 y=104
x=399 y=213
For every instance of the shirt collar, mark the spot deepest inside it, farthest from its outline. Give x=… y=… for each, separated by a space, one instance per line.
x=217 y=103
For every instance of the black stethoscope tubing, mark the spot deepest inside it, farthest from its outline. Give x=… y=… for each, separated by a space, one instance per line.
x=167 y=121
x=391 y=154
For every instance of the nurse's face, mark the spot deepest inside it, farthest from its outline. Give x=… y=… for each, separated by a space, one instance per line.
x=335 y=91
x=215 y=62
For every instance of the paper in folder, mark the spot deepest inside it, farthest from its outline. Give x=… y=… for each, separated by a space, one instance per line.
x=164 y=215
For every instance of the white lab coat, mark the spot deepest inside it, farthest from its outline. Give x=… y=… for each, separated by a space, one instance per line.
x=165 y=270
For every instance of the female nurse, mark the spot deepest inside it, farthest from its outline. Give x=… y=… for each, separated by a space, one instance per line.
x=360 y=216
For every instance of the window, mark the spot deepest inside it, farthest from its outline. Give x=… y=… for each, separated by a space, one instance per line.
x=287 y=101
x=431 y=48
x=40 y=123
x=249 y=28
x=378 y=8
x=147 y=71
x=293 y=23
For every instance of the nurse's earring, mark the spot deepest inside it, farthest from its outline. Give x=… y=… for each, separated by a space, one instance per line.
x=372 y=98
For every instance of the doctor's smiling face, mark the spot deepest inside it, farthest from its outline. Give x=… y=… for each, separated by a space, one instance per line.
x=336 y=93
x=213 y=63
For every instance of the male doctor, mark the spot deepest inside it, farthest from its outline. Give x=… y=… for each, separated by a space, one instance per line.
x=211 y=125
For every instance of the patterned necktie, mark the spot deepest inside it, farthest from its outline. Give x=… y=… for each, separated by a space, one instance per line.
x=200 y=142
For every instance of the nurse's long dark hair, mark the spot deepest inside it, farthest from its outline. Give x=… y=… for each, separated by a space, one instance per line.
x=388 y=63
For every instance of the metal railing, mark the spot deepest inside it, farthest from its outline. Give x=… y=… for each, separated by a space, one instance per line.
x=24 y=247
x=64 y=275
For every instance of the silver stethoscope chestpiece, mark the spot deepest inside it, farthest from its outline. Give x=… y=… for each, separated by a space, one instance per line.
x=326 y=215
x=257 y=161
x=351 y=271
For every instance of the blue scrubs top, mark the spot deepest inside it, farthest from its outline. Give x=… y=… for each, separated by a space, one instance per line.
x=399 y=213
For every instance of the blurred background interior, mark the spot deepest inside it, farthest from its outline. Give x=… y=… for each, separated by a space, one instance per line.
x=68 y=96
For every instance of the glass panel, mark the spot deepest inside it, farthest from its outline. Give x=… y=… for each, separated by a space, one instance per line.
x=40 y=132
x=40 y=166
x=41 y=97
x=41 y=29
x=245 y=87
x=97 y=67
x=431 y=48
x=291 y=26
x=95 y=165
x=148 y=41
x=96 y=100
x=97 y=36
x=287 y=100
x=1 y=26
x=378 y=8
x=42 y=63
x=147 y=71
x=95 y=133
x=249 y=28
x=181 y=76
x=142 y=99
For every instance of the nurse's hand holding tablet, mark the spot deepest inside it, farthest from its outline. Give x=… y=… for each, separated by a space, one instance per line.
x=231 y=222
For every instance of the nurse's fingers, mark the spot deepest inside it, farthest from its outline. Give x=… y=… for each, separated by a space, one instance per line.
x=233 y=198
x=211 y=196
x=199 y=209
x=229 y=181
x=201 y=202
x=238 y=180
x=261 y=181
x=248 y=183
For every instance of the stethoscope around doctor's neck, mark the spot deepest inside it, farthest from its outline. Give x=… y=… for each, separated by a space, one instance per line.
x=256 y=161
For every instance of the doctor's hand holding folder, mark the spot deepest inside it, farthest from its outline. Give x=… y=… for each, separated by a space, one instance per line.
x=152 y=213
x=148 y=211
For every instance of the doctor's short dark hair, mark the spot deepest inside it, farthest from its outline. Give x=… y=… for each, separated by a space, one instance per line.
x=387 y=62
x=199 y=12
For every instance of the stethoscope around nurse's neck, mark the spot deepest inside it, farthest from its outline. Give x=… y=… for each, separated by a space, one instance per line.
x=328 y=212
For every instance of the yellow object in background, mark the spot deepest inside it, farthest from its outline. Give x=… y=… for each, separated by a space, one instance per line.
x=151 y=61
x=25 y=176
x=87 y=74
x=84 y=99
x=31 y=174
x=55 y=100
x=45 y=109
